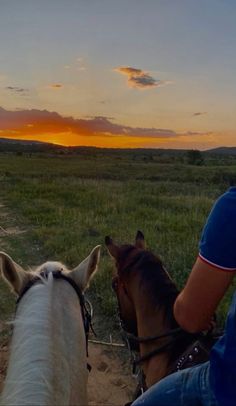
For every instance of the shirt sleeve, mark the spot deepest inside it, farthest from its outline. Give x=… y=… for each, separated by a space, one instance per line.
x=218 y=241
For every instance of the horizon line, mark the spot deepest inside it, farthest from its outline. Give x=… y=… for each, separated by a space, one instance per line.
x=17 y=140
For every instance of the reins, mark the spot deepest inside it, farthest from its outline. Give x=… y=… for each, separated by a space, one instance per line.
x=174 y=333
x=169 y=333
x=146 y=357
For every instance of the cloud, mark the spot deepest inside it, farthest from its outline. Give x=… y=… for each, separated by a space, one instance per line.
x=78 y=65
x=199 y=113
x=34 y=122
x=80 y=62
x=56 y=86
x=139 y=79
x=16 y=89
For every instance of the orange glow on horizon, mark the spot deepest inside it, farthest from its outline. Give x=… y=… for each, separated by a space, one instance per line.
x=52 y=133
x=101 y=141
x=104 y=132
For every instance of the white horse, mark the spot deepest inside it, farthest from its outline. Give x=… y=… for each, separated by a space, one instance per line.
x=47 y=364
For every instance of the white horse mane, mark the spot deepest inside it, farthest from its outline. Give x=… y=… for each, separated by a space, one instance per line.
x=38 y=338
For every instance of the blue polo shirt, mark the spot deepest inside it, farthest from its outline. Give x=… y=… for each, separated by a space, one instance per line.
x=218 y=248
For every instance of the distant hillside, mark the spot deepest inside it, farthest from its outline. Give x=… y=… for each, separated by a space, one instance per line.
x=20 y=142
x=21 y=146
x=13 y=145
x=24 y=146
x=223 y=151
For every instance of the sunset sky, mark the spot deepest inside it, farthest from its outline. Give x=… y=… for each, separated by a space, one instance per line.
x=119 y=73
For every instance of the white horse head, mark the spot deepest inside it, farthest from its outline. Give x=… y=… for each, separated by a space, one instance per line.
x=47 y=364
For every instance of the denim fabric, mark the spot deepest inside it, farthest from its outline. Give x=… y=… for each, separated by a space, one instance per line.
x=189 y=387
x=223 y=362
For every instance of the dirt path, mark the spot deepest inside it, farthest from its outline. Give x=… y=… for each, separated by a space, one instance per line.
x=110 y=382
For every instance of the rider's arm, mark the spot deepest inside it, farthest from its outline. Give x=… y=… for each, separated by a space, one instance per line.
x=214 y=268
x=196 y=304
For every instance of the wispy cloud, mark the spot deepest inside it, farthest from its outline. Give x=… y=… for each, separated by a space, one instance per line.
x=35 y=122
x=56 y=86
x=79 y=64
x=199 y=113
x=16 y=89
x=139 y=79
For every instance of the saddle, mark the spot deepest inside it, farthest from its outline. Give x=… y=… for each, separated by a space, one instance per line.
x=198 y=352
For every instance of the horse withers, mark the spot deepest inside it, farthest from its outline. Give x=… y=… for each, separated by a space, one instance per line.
x=146 y=295
x=48 y=359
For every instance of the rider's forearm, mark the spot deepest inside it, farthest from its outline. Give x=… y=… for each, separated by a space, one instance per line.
x=186 y=320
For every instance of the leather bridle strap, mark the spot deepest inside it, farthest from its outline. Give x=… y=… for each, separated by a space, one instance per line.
x=146 y=357
x=56 y=275
x=172 y=332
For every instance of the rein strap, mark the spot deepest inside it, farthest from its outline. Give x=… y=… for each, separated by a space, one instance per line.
x=169 y=333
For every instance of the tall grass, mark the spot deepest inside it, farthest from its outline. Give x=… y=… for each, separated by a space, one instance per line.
x=69 y=204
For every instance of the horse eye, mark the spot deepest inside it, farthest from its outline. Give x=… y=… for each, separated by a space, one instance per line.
x=114 y=283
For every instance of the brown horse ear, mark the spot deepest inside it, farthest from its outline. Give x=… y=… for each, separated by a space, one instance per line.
x=112 y=248
x=140 y=240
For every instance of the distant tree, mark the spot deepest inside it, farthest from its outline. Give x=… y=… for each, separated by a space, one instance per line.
x=194 y=157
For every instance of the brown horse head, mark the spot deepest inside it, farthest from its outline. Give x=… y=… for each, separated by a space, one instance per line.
x=140 y=281
x=123 y=255
x=145 y=293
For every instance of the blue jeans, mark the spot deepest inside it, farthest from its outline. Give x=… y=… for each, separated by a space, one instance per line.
x=189 y=387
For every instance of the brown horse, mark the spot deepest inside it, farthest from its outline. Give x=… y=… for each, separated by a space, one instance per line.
x=146 y=295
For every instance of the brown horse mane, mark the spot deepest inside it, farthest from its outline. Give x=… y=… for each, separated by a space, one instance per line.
x=154 y=280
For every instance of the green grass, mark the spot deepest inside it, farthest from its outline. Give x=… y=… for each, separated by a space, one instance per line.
x=69 y=204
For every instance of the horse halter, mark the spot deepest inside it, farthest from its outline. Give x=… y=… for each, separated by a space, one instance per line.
x=134 y=340
x=125 y=328
x=86 y=314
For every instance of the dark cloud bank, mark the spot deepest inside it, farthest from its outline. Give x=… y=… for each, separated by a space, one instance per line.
x=43 y=121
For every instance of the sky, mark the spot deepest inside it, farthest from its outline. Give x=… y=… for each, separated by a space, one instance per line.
x=127 y=73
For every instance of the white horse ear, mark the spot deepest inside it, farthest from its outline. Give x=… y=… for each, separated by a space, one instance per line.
x=83 y=273
x=12 y=273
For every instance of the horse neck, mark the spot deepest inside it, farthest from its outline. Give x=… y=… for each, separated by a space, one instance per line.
x=152 y=320
x=48 y=359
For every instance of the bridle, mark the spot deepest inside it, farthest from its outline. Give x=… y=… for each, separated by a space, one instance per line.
x=196 y=352
x=85 y=306
x=132 y=341
x=131 y=337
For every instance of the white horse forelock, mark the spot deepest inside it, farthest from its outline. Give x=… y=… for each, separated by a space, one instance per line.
x=48 y=347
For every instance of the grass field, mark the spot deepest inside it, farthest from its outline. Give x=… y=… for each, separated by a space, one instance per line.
x=68 y=204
